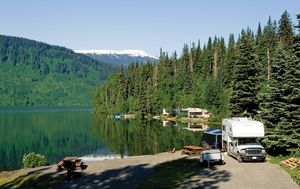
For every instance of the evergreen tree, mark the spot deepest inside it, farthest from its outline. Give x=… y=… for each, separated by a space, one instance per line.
x=123 y=84
x=208 y=66
x=258 y=33
x=229 y=62
x=276 y=110
x=244 y=97
x=285 y=30
x=266 y=48
x=197 y=59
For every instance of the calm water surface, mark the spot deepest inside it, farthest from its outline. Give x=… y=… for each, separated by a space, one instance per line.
x=75 y=131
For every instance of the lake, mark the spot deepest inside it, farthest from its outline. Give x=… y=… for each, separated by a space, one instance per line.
x=57 y=132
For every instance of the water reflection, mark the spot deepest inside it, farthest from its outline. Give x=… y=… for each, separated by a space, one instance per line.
x=141 y=137
x=55 y=134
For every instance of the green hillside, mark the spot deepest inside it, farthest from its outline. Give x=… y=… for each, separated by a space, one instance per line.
x=37 y=74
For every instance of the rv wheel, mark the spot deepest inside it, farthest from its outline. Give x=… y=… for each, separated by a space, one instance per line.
x=239 y=158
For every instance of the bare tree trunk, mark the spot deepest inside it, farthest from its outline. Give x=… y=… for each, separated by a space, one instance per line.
x=191 y=61
x=215 y=66
x=269 y=66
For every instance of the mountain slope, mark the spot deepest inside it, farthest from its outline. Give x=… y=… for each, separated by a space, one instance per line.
x=124 y=57
x=35 y=73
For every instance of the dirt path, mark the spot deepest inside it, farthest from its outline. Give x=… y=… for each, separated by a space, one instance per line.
x=133 y=171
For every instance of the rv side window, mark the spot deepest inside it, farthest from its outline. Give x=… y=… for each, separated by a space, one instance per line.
x=223 y=127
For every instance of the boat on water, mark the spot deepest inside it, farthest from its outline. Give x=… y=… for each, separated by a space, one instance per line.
x=171 y=119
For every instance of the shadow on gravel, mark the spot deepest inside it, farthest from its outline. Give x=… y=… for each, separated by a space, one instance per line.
x=126 y=177
x=183 y=173
x=186 y=173
x=32 y=179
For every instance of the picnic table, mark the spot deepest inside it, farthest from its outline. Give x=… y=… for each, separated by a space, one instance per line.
x=71 y=164
x=192 y=150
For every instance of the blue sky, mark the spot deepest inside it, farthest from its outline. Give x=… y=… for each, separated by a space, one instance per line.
x=135 y=24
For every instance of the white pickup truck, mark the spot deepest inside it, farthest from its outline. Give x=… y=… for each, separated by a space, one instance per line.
x=240 y=138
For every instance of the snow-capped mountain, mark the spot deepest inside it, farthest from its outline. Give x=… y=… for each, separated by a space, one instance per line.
x=124 y=57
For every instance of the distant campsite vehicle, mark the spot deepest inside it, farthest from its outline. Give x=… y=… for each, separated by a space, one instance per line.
x=240 y=138
x=117 y=115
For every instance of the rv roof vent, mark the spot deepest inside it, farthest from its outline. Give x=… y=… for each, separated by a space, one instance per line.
x=240 y=118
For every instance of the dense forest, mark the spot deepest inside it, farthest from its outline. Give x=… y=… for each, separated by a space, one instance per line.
x=256 y=75
x=35 y=73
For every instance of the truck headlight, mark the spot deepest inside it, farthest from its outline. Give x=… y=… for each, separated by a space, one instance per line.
x=243 y=151
x=263 y=151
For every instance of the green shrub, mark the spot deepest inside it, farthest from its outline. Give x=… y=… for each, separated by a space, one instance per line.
x=32 y=160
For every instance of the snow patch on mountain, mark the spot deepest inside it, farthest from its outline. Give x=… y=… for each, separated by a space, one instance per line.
x=133 y=53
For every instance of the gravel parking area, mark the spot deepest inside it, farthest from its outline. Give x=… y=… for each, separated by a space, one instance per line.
x=131 y=172
x=258 y=175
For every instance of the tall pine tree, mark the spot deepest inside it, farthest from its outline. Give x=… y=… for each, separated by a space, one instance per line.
x=285 y=30
x=245 y=88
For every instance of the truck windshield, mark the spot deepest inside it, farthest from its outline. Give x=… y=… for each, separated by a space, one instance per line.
x=248 y=141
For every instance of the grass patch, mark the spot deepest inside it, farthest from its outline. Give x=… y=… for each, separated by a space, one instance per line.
x=295 y=173
x=29 y=180
x=172 y=174
x=6 y=177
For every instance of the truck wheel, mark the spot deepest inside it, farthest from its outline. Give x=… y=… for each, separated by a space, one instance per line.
x=239 y=158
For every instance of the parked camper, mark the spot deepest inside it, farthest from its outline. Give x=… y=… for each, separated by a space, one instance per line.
x=240 y=138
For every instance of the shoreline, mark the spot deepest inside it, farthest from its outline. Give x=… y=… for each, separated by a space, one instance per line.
x=87 y=159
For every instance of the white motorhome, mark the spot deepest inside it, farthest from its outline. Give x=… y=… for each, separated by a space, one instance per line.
x=240 y=138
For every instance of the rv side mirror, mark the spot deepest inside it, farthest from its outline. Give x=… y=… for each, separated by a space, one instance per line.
x=234 y=143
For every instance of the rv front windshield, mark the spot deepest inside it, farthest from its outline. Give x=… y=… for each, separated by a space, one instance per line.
x=248 y=141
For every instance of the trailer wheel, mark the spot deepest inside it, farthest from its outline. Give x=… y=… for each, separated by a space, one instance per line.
x=239 y=158
x=222 y=162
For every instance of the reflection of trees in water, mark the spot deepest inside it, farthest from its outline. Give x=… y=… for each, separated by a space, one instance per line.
x=53 y=134
x=140 y=137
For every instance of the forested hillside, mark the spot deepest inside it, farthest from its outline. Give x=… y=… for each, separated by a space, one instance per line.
x=256 y=75
x=35 y=73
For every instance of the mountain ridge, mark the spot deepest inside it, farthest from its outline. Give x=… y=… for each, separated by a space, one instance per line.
x=123 y=57
x=130 y=52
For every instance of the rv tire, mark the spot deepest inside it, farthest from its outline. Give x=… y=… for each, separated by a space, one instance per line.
x=239 y=158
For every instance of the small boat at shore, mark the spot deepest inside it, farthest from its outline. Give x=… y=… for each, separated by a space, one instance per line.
x=171 y=119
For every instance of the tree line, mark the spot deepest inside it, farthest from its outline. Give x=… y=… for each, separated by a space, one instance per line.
x=255 y=75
